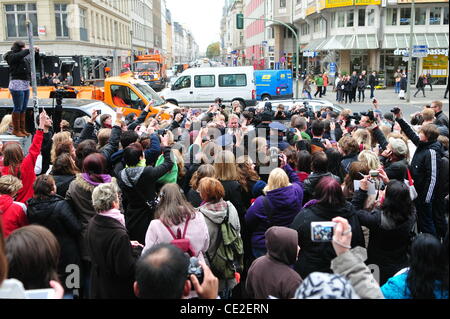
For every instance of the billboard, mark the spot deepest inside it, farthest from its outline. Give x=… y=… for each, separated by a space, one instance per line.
x=436 y=65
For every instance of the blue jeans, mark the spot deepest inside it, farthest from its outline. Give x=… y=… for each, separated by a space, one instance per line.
x=20 y=100
x=397 y=87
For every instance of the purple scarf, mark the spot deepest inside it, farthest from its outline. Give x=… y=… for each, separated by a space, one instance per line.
x=105 y=177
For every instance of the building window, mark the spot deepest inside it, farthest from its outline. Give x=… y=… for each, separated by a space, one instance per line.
x=421 y=16
x=361 y=17
x=341 y=19
x=333 y=20
x=405 y=16
x=391 y=16
x=83 y=25
x=317 y=25
x=304 y=29
x=17 y=15
x=350 y=18
x=435 y=15
x=445 y=15
x=61 y=20
x=371 y=17
x=282 y=3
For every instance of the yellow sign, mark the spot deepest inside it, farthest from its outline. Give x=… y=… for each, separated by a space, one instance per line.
x=338 y=3
x=266 y=77
x=367 y=2
x=436 y=65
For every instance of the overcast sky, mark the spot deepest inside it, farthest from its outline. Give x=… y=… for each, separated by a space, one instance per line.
x=202 y=17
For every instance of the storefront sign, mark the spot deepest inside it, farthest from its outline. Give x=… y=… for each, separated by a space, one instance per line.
x=404 y=52
x=339 y=3
x=310 y=54
x=315 y=6
x=436 y=65
x=367 y=2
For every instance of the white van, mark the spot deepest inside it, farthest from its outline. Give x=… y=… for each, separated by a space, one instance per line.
x=198 y=87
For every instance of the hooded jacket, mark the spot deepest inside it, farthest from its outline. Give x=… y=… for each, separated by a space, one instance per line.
x=57 y=215
x=285 y=203
x=316 y=256
x=388 y=241
x=79 y=196
x=138 y=185
x=214 y=216
x=12 y=214
x=271 y=274
x=425 y=164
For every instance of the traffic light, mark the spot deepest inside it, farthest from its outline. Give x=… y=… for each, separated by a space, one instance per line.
x=239 y=21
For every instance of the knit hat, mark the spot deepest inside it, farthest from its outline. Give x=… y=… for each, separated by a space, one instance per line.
x=325 y=286
x=257 y=189
x=398 y=146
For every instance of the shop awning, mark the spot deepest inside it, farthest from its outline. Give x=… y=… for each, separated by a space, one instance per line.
x=401 y=40
x=314 y=45
x=339 y=42
x=351 y=42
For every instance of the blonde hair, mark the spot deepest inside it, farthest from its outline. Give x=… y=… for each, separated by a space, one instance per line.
x=103 y=137
x=260 y=144
x=370 y=158
x=9 y=185
x=6 y=123
x=58 y=138
x=363 y=137
x=180 y=163
x=225 y=166
x=277 y=179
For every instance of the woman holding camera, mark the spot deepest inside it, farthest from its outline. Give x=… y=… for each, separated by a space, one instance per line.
x=390 y=227
x=330 y=203
x=19 y=61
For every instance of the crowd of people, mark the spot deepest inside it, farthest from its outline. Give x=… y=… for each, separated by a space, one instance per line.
x=219 y=203
x=123 y=200
x=347 y=87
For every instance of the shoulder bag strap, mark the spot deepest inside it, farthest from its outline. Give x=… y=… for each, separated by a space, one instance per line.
x=411 y=183
x=185 y=226
x=170 y=231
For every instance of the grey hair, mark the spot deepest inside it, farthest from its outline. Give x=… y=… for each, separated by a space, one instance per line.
x=104 y=195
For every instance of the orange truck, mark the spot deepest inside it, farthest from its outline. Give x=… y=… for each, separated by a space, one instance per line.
x=152 y=69
x=123 y=91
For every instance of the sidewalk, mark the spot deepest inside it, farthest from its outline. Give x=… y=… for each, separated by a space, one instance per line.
x=388 y=97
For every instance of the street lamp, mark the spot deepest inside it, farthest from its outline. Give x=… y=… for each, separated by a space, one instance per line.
x=411 y=34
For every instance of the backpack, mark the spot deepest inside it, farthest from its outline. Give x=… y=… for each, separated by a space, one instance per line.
x=180 y=241
x=229 y=257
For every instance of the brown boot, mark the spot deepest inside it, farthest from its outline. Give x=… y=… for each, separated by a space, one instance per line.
x=22 y=124
x=16 y=125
